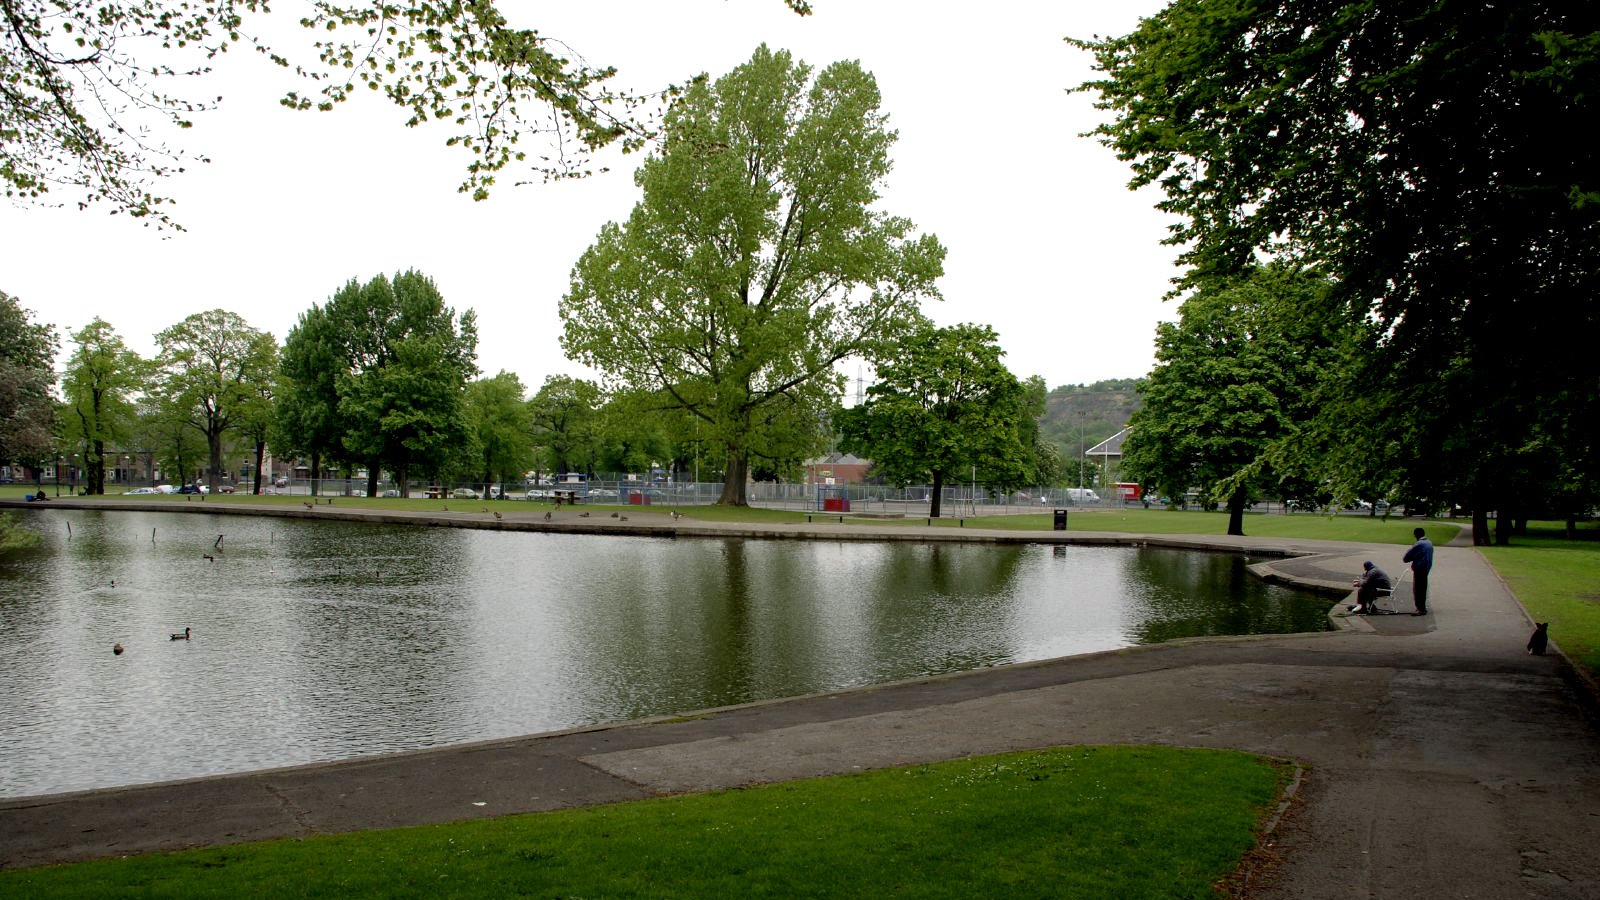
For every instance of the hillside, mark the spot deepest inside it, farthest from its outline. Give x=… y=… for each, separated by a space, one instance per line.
x=1099 y=410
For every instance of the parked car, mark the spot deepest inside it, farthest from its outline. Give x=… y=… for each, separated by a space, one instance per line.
x=392 y=492
x=194 y=489
x=464 y=493
x=602 y=492
x=143 y=490
x=280 y=481
x=166 y=489
x=538 y=494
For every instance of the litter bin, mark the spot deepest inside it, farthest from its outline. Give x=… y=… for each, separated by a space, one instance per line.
x=1061 y=520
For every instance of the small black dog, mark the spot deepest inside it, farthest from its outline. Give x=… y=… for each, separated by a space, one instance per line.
x=1540 y=638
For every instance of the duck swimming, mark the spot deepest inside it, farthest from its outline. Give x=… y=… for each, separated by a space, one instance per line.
x=117 y=649
x=181 y=637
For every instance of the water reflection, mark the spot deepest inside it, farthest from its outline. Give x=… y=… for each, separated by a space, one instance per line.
x=325 y=640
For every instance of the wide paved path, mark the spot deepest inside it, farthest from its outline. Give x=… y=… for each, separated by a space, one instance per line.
x=1440 y=759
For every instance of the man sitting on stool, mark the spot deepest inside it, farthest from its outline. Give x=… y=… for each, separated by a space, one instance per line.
x=1372 y=581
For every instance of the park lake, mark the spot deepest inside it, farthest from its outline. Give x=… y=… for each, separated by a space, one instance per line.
x=319 y=641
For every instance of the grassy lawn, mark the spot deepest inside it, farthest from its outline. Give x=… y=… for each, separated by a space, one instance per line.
x=1307 y=526
x=1066 y=822
x=1559 y=582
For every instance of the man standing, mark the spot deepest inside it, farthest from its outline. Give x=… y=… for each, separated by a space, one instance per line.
x=1421 y=558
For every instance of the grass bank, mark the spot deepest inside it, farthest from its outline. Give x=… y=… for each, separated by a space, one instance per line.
x=1067 y=822
x=1558 y=581
x=1305 y=526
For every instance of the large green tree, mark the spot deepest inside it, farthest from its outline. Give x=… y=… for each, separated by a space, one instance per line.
x=409 y=358
x=212 y=368
x=1434 y=159
x=502 y=435
x=565 y=422
x=27 y=376
x=1233 y=381
x=103 y=382
x=173 y=448
x=95 y=93
x=943 y=405
x=756 y=259
x=306 y=418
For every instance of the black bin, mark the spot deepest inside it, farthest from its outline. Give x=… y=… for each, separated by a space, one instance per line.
x=1061 y=520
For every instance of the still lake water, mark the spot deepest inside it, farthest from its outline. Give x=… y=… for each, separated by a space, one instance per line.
x=327 y=640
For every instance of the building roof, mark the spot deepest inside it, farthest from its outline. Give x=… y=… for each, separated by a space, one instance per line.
x=838 y=459
x=1111 y=446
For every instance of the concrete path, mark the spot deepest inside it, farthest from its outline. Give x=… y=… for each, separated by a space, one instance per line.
x=1441 y=760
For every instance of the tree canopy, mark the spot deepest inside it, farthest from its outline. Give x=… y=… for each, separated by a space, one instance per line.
x=212 y=366
x=1434 y=161
x=94 y=93
x=103 y=383
x=944 y=404
x=1233 y=379
x=564 y=427
x=378 y=375
x=27 y=376
x=502 y=431
x=755 y=260
x=306 y=416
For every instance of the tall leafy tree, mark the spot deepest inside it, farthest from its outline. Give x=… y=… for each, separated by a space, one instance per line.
x=497 y=416
x=410 y=357
x=1233 y=380
x=213 y=366
x=565 y=427
x=103 y=382
x=756 y=259
x=94 y=92
x=943 y=405
x=306 y=410
x=1434 y=160
x=258 y=415
x=27 y=377
x=631 y=432
x=167 y=438
x=1044 y=458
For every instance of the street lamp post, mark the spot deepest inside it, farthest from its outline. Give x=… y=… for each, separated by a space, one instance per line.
x=74 y=475
x=1080 y=449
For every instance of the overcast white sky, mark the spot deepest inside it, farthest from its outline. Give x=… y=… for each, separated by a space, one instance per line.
x=1046 y=244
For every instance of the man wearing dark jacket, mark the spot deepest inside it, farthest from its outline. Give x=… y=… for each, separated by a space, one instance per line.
x=1372 y=580
x=1421 y=558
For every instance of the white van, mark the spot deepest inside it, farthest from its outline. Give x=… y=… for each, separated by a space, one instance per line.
x=1082 y=495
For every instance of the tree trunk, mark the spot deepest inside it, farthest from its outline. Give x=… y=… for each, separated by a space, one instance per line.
x=214 y=462
x=1236 y=510
x=733 y=486
x=1480 y=526
x=375 y=467
x=1502 y=528
x=936 y=502
x=97 y=468
x=1572 y=527
x=261 y=455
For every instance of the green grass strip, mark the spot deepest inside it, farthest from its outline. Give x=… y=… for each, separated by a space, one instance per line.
x=1067 y=822
x=1137 y=520
x=1558 y=581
